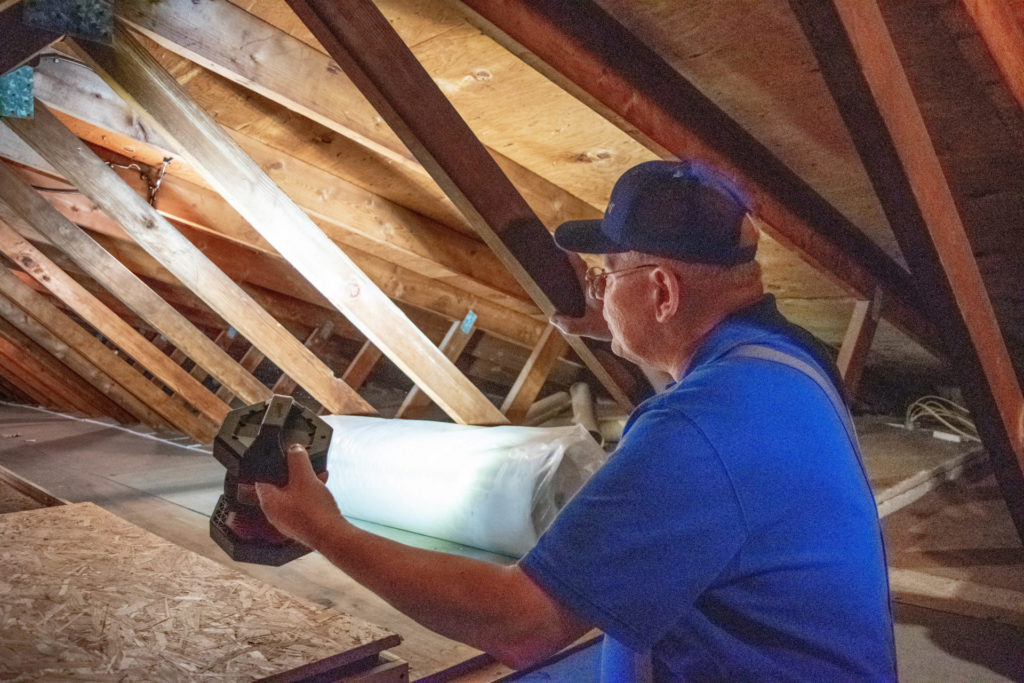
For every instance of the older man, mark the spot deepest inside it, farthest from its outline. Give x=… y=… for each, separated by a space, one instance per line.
x=732 y=535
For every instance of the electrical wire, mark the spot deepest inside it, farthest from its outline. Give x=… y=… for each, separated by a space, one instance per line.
x=929 y=410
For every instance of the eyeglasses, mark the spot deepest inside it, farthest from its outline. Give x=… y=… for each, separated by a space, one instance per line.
x=597 y=278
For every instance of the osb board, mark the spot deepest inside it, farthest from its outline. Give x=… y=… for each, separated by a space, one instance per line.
x=87 y=595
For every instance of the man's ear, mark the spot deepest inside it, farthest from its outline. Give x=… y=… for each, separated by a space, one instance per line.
x=668 y=293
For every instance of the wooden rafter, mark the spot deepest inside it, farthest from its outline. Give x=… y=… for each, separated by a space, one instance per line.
x=60 y=284
x=316 y=342
x=199 y=140
x=185 y=204
x=367 y=48
x=29 y=311
x=101 y=405
x=20 y=205
x=637 y=89
x=151 y=231
x=48 y=389
x=246 y=50
x=415 y=402
x=360 y=367
x=864 y=73
x=349 y=215
x=1005 y=39
x=853 y=352
x=531 y=379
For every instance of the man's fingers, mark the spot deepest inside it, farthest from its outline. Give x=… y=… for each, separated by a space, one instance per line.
x=298 y=461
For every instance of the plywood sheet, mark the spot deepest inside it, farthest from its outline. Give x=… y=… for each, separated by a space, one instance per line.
x=85 y=594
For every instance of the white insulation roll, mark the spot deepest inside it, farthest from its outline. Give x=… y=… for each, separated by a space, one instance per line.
x=494 y=488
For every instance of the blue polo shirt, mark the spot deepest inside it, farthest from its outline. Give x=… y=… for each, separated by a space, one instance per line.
x=732 y=533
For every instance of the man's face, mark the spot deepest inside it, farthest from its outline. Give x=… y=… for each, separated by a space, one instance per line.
x=625 y=309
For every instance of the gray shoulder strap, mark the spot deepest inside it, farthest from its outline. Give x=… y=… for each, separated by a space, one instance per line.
x=774 y=355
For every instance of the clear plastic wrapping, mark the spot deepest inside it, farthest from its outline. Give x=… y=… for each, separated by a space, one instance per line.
x=495 y=488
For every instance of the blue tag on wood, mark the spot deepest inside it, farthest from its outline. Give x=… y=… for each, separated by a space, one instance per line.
x=467 y=322
x=16 y=94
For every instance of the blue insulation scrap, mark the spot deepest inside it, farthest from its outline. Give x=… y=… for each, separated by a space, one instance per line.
x=16 y=94
x=89 y=19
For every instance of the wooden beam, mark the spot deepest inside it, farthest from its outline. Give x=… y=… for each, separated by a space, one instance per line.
x=348 y=214
x=365 y=45
x=21 y=41
x=853 y=352
x=315 y=342
x=395 y=280
x=251 y=360
x=1004 y=37
x=11 y=391
x=79 y=363
x=531 y=379
x=207 y=148
x=21 y=206
x=459 y=334
x=864 y=73
x=74 y=335
x=152 y=232
x=31 y=393
x=40 y=384
x=363 y=363
x=243 y=48
x=121 y=334
x=637 y=89
x=100 y=404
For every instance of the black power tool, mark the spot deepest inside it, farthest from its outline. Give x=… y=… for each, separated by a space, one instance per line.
x=251 y=444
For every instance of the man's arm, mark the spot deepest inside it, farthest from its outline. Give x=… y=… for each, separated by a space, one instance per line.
x=499 y=610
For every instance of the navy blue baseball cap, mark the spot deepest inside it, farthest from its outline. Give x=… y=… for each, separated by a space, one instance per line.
x=684 y=210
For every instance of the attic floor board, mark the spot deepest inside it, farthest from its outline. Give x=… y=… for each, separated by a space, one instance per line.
x=952 y=550
x=83 y=460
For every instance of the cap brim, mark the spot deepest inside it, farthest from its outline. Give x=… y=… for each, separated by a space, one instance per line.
x=585 y=237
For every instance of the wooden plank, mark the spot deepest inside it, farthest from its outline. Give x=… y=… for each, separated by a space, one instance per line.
x=207 y=148
x=864 y=73
x=10 y=390
x=251 y=360
x=194 y=425
x=28 y=488
x=95 y=403
x=415 y=402
x=637 y=89
x=257 y=55
x=152 y=232
x=1005 y=39
x=38 y=384
x=315 y=342
x=21 y=41
x=362 y=365
x=348 y=214
x=853 y=352
x=120 y=333
x=403 y=285
x=81 y=365
x=360 y=39
x=164 y=611
x=531 y=379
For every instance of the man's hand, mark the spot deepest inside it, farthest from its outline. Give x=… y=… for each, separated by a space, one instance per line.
x=591 y=323
x=303 y=509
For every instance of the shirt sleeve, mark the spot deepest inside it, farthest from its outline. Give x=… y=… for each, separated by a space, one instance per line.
x=647 y=534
